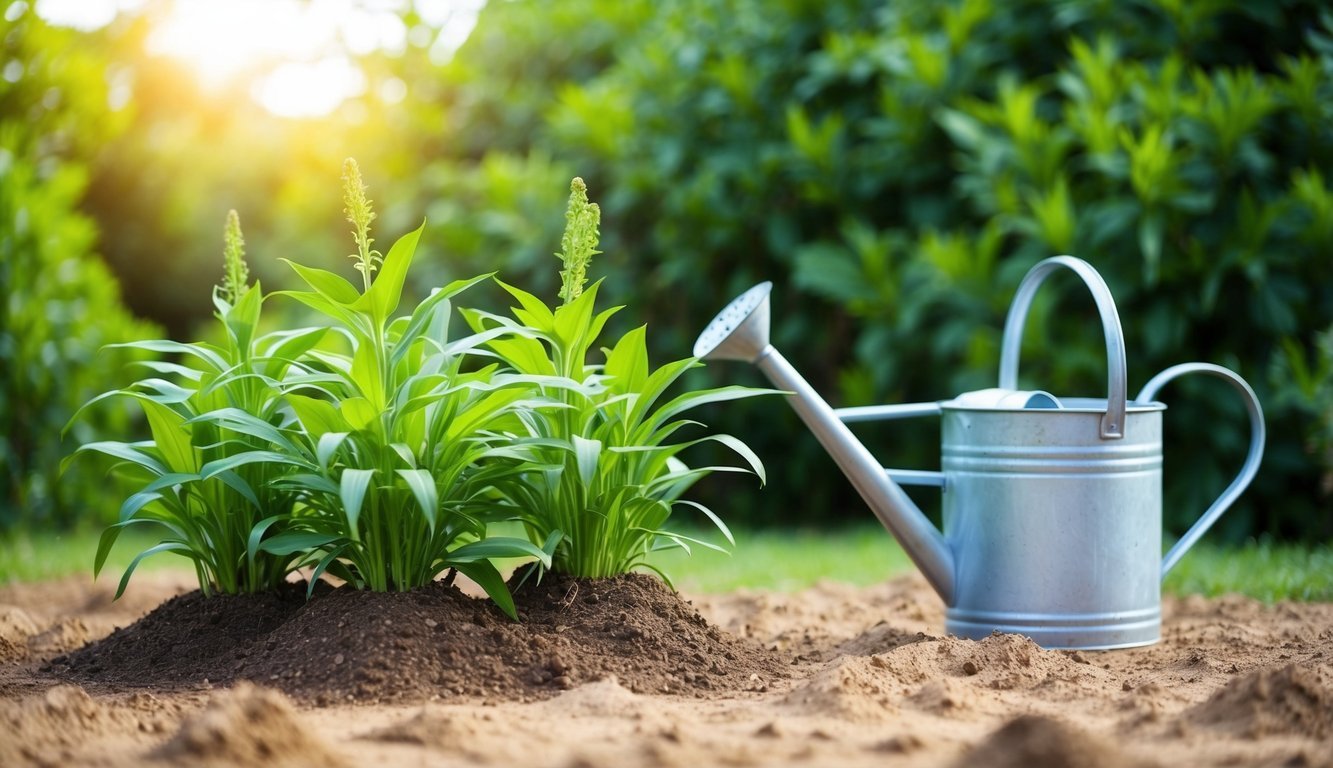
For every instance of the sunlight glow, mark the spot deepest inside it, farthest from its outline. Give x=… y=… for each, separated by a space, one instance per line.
x=295 y=56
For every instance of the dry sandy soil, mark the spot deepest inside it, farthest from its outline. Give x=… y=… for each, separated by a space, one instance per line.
x=832 y=675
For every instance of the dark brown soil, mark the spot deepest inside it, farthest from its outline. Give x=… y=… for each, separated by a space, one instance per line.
x=431 y=643
x=188 y=640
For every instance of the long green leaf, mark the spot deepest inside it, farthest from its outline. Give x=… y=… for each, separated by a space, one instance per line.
x=235 y=460
x=111 y=533
x=327 y=284
x=169 y=347
x=170 y=546
x=490 y=580
x=381 y=300
x=352 y=491
x=497 y=546
x=257 y=532
x=317 y=417
x=422 y=484
x=171 y=437
x=123 y=451
x=297 y=541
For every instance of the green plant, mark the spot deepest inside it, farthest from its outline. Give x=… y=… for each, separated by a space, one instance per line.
x=391 y=436
x=604 y=475
x=202 y=487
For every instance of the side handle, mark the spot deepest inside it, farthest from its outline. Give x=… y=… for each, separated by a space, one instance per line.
x=1247 y=471
x=888 y=413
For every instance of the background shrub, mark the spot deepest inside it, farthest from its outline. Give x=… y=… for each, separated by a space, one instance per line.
x=58 y=303
x=896 y=168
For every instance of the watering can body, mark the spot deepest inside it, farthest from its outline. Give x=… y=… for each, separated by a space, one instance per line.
x=1052 y=509
x=1055 y=533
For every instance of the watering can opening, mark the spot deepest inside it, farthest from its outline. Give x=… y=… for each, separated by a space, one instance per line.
x=1007 y=400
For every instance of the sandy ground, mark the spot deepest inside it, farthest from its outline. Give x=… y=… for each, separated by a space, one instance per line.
x=1234 y=682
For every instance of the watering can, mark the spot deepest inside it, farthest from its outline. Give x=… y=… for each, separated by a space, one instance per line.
x=1052 y=507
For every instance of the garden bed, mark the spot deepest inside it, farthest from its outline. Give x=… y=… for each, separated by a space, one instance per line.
x=624 y=672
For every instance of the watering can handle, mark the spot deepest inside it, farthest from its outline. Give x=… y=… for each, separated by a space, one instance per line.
x=1113 y=421
x=1252 y=459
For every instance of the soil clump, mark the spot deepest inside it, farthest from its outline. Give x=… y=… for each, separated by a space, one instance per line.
x=1035 y=741
x=246 y=726
x=1293 y=700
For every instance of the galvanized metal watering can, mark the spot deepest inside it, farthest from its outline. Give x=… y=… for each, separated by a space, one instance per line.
x=1052 y=506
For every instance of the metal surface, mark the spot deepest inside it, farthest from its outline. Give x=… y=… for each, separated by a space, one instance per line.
x=1052 y=506
x=1248 y=470
x=1113 y=424
x=1056 y=531
x=740 y=330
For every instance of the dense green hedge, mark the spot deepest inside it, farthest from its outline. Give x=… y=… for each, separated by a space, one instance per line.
x=895 y=169
x=58 y=303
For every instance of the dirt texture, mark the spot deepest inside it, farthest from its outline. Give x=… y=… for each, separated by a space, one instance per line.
x=428 y=644
x=625 y=673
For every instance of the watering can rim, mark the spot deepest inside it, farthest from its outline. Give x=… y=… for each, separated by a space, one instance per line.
x=1073 y=405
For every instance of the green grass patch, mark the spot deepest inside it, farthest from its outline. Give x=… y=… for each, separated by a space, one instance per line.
x=1260 y=569
x=781 y=559
x=39 y=555
x=786 y=559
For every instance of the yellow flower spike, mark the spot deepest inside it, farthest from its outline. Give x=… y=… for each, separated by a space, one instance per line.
x=579 y=243
x=235 y=275
x=357 y=208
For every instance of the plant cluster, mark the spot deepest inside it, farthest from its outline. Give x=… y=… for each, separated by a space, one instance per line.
x=380 y=449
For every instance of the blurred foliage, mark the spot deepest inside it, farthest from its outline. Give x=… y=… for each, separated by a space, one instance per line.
x=58 y=303
x=894 y=168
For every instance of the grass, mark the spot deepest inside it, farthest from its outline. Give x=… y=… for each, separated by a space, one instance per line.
x=778 y=559
x=40 y=555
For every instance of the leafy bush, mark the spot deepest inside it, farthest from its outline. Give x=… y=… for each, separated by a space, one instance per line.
x=897 y=168
x=58 y=303
x=604 y=473
x=202 y=489
x=391 y=450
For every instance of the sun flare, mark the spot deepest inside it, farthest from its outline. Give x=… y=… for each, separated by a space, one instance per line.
x=296 y=57
x=294 y=54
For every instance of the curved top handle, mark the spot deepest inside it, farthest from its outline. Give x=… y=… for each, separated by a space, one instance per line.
x=1113 y=421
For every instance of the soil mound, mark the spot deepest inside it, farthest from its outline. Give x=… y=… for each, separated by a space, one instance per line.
x=1290 y=700
x=999 y=662
x=243 y=727
x=188 y=640
x=1034 y=741
x=15 y=629
x=851 y=688
x=53 y=724
x=431 y=643
x=436 y=642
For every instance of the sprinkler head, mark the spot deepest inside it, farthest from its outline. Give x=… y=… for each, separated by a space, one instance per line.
x=740 y=330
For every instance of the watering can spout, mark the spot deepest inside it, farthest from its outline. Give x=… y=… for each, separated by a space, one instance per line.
x=740 y=332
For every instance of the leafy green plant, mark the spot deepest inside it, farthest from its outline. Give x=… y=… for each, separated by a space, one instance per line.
x=391 y=434
x=604 y=474
x=203 y=488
